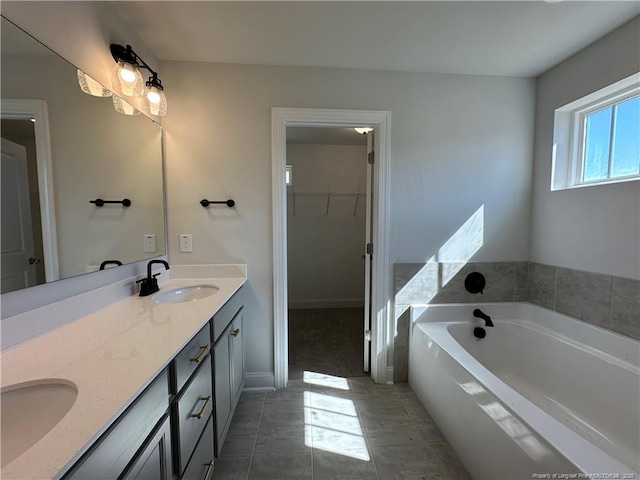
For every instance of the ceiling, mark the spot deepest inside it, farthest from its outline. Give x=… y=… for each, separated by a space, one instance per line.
x=507 y=38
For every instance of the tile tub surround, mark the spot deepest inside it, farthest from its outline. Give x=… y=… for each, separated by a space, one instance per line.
x=608 y=302
x=111 y=355
x=602 y=300
x=352 y=430
x=443 y=282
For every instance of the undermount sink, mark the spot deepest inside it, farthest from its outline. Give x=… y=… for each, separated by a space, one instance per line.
x=30 y=410
x=185 y=294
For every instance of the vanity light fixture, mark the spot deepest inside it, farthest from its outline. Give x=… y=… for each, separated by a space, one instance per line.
x=126 y=81
x=91 y=87
x=363 y=130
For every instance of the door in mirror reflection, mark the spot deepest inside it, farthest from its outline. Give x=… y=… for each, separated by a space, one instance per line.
x=21 y=265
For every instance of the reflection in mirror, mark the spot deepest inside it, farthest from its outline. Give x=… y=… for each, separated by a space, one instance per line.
x=62 y=148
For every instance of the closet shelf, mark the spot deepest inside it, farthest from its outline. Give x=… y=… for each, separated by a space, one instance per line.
x=356 y=195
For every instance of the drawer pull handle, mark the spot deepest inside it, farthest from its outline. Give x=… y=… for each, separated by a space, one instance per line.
x=203 y=351
x=235 y=332
x=207 y=474
x=200 y=414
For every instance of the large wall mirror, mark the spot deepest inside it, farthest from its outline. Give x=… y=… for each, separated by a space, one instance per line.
x=61 y=149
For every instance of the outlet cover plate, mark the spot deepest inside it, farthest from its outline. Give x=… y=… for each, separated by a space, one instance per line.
x=149 y=243
x=186 y=244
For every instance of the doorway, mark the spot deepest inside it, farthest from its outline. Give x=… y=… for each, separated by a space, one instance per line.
x=34 y=114
x=380 y=332
x=327 y=205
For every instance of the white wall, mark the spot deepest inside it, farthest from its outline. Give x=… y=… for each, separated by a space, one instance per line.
x=594 y=228
x=81 y=32
x=458 y=142
x=324 y=251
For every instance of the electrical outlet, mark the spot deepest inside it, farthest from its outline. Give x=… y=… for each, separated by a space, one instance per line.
x=149 y=245
x=185 y=242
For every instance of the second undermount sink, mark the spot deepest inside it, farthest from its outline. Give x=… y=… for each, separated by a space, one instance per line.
x=30 y=410
x=185 y=294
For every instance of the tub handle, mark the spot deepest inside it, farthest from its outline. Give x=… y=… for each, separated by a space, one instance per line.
x=475 y=283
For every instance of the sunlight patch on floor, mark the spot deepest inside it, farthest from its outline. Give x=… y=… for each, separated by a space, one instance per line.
x=333 y=421
x=325 y=380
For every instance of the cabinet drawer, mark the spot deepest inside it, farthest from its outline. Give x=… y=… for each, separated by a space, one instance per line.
x=201 y=464
x=190 y=357
x=193 y=409
x=226 y=314
x=112 y=452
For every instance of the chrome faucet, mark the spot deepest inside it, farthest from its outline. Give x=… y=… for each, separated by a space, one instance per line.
x=149 y=285
x=480 y=314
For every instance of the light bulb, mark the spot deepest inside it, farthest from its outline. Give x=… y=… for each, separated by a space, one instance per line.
x=126 y=80
x=153 y=96
x=155 y=100
x=127 y=75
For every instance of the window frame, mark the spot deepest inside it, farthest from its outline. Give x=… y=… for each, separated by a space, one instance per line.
x=569 y=135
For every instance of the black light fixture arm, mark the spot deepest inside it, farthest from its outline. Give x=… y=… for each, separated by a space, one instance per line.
x=128 y=55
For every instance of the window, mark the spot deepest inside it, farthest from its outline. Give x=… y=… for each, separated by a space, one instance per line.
x=597 y=138
x=288 y=175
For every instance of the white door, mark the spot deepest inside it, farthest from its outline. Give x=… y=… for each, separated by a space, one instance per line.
x=16 y=243
x=368 y=255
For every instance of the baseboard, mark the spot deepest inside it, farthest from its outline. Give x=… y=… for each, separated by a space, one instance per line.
x=329 y=303
x=259 y=381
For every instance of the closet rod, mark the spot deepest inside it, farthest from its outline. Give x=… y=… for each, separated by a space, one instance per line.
x=328 y=195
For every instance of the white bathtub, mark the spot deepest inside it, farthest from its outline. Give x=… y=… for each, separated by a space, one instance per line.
x=542 y=394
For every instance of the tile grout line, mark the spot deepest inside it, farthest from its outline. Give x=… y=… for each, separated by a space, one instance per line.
x=264 y=399
x=364 y=431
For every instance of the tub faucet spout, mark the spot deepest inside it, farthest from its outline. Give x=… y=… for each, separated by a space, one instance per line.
x=480 y=314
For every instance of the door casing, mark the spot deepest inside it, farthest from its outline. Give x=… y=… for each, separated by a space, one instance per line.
x=381 y=301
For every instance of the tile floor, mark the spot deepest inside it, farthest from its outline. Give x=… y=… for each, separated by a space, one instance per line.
x=326 y=427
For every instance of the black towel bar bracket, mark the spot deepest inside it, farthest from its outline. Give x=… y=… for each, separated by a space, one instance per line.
x=100 y=202
x=205 y=203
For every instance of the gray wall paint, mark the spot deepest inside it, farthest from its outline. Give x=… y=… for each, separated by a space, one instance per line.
x=458 y=143
x=596 y=228
x=324 y=245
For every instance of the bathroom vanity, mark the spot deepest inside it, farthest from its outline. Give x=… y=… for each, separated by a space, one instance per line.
x=157 y=381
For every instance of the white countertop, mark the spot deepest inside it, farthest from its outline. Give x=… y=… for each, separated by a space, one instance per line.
x=111 y=355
